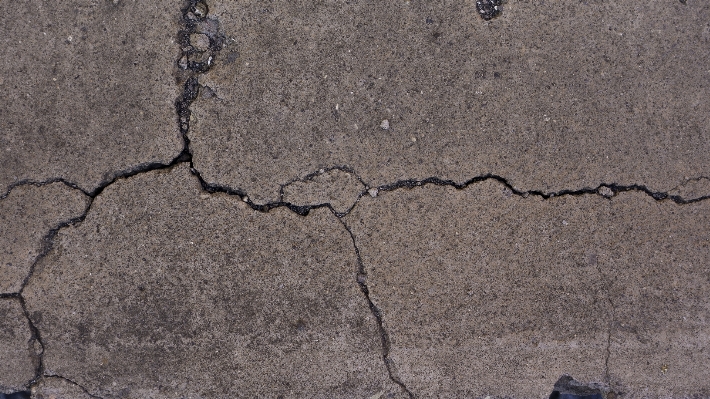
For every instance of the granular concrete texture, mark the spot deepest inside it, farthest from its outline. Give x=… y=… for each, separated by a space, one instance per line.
x=359 y=199
x=27 y=214
x=57 y=388
x=170 y=291
x=88 y=87
x=550 y=96
x=487 y=293
x=16 y=346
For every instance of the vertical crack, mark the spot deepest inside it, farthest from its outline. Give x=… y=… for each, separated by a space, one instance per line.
x=377 y=313
x=612 y=320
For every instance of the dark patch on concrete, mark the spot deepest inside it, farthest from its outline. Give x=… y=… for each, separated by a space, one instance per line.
x=488 y=9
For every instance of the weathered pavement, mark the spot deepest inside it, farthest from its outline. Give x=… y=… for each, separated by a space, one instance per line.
x=354 y=199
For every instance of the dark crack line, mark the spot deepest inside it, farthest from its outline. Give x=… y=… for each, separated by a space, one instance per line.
x=36 y=337
x=29 y=182
x=195 y=14
x=612 y=320
x=309 y=177
x=377 y=314
x=86 y=391
x=606 y=190
x=607 y=375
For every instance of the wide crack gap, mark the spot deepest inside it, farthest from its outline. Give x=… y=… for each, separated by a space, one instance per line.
x=377 y=314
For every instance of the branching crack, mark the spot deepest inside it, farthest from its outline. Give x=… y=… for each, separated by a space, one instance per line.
x=195 y=61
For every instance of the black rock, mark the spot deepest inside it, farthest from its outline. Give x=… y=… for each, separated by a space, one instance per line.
x=488 y=9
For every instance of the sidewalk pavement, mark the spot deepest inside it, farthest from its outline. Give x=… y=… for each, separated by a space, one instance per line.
x=354 y=199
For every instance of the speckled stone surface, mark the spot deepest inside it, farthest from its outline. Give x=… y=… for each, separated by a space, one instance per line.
x=550 y=96
x=57 y=388
x=164 y=290
x=17 y=365
x=88 y=89
x=487 y=293
x=27 y=215
x=257 y=225
x=337 y=188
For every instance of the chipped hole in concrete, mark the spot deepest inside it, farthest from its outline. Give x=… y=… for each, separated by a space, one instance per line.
x=568 y=388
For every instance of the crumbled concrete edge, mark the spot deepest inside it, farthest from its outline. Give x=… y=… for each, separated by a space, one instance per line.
x=566 y=385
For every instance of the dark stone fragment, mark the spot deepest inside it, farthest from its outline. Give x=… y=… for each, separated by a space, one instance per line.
x=488 y=9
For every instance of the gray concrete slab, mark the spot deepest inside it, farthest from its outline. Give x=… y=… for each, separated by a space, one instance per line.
x=27 y=215
x=190 y=276
x=17 y=357
x=550 y=96
x=167 y=291
x=487 y=293
x=57 y=388
x=89 y=89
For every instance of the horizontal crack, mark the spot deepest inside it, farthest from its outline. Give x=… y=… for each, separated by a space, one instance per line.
x=604 y=189
x=42 y=183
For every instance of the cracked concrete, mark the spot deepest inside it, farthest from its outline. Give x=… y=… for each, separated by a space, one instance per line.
x=239 y=304
x=337 y=187
x=91 y=89
x=550 y=96
x=500 y=295
x=16 y=367
x=58 y=388
x=27 y=214
x=354 y=199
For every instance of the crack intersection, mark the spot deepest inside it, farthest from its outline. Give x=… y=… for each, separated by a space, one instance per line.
x=194 y=62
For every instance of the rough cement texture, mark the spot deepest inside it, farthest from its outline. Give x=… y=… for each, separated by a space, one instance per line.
x=27 y=214
x=16 y=346
x=550 y=96
x=250 y=230
x=58 y=388
x=88 y=87
x=234 y=304
x=487 y=293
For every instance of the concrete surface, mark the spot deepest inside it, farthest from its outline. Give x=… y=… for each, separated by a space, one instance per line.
x=88 y=88
x=27 y=215
x=16 y=367
x=487 y=293
x=58 y=388
x=239 y=304
x=551 y=96
x=354 y=199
